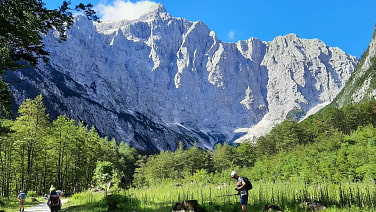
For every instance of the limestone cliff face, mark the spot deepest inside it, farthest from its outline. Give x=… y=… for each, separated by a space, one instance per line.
x=302 y=75
x=158 y=80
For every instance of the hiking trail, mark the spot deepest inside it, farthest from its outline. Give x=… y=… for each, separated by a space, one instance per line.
x=42 y=207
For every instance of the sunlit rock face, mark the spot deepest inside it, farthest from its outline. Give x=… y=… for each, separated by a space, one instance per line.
x=361 y=86
x=158 y=80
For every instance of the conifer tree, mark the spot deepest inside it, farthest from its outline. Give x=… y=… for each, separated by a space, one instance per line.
x=223 y=157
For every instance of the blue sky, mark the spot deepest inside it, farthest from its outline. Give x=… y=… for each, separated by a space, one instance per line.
x=346 y=24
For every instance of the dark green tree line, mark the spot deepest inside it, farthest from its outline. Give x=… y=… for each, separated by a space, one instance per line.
x=335 y=144
x=191 y=164
x=36 y=153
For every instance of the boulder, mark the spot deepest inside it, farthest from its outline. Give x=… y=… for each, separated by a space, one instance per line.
x=272 y=208
x=314 y=206
x=188 y=206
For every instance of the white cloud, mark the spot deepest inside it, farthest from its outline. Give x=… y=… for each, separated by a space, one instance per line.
x=120 y=10
x=231 y=35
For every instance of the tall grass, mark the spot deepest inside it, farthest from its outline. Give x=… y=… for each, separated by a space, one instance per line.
x=290 y=196
x=86 y=201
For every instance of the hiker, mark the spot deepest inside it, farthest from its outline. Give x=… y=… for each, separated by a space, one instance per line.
x=60 y=192
x=52 y=189
x=54 y=201
x=240 y=187
x=22 y=197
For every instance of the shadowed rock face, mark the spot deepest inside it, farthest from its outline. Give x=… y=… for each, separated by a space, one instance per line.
x=158 y=80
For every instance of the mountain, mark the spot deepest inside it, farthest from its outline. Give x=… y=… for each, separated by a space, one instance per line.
x=362 y=84
x=158 y=80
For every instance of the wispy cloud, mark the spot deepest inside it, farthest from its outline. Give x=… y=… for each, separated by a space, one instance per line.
x=120 y=10
x=231 y=35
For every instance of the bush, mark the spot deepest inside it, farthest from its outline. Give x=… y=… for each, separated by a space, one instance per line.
x=32 y=194
x=113 y=201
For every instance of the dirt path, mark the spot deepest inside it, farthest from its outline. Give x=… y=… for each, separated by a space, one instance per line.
x=41 y=207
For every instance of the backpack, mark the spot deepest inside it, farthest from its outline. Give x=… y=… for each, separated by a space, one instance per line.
x=248 y=183
x=22 y=195
x=55 y=200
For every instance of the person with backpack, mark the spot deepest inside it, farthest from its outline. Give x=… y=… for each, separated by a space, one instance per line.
x=54 y=201
x=242 y=186
x=21 y=198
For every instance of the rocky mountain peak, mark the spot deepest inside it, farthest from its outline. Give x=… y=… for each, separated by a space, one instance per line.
x=152 y=12
x=156 y=11
x=158 y=80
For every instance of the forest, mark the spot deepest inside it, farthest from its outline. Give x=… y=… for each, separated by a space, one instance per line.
x=36 y=153
x=335 y=145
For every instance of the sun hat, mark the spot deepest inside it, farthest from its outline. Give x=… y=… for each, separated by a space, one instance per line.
x=233 y=173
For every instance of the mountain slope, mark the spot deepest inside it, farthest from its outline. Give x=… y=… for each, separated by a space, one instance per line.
x=362 y=84
x=158 y=80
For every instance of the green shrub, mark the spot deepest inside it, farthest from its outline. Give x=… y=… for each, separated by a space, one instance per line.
x=32 y=194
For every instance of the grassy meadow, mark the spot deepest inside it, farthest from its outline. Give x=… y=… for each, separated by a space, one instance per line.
x=290 y=196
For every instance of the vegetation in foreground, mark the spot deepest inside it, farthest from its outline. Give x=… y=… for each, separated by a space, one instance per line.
x=335 y=146
x=289 y=196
